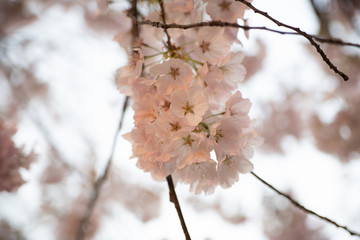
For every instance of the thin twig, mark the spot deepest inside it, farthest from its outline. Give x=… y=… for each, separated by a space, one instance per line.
x=174 y=199
x=304 y=34
x=298 y=205
x=218 y=23
x=84 y=223
x=133 y=14
x=335 y=41
x=311 y=38
x=163 y=16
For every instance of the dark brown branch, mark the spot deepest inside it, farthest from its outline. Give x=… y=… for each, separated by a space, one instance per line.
x=335 y=41
x=246 y=28
x=298 y=205
x=174 y=199
x=163 y=17
x=304 y=34
x=134 y=16
x=298 y=31
x=84 y=223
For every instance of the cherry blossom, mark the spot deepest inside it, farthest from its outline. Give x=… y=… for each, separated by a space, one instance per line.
x=189 y=106
x=227 y=136
x=172 y=74
x=184 y=100
x=212 y=45
x=225 y=10
x=230 y=167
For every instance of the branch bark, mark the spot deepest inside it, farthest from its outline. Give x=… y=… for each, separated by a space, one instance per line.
x=333 y=41
x=304 y=34
x=174 y=199
x=308 y=211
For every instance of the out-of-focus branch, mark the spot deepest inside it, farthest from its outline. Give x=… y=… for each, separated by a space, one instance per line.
x=304 y=34
x=84 y=223
x=301 y=207
x=174 y=199
x=99 y=183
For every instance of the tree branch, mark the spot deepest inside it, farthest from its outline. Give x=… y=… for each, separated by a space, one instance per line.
x=217 y=23
x=84 y=223
x=304 y=34
x=301 y=207
x=174 y=199
x=163 y=17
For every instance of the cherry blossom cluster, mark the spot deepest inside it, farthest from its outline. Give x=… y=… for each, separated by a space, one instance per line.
x=190 y=120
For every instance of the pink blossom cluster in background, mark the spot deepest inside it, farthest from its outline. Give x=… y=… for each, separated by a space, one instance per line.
x=188 y=111
x=12 y=159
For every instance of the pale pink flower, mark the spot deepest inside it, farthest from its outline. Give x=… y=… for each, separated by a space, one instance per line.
x=151 y=36
x=158 y=170
x=190 y=148
x=157 y=147
x=202 y=176
x=138 y=139
x=225 y=10
x=250 y=140
x=237 y=106
x=212 y=45
x=145 y=111
x=179 y=6
x=230 y=167
x=212 y=78
x=147 y=147
x=173 y=74
x=126 y=75
x=143 y=88
x=189 y=106
x=180 y=12
x=234 y=72
x=226 y=135
x=167 y=125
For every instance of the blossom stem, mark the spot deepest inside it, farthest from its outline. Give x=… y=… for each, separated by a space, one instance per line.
x=151 y=47
x=194 y=61
x=214 y=115
x=174 y=199
x=154 y=55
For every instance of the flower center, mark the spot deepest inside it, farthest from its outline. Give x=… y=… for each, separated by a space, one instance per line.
x=174 y=72
x=187 y=141
x=227 y=161
x=189 y=108
x=205 y=46
x=175 y=126
x=224 y=6
x=218 y=135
